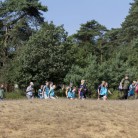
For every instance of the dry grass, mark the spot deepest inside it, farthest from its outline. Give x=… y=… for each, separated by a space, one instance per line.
x=68 y=119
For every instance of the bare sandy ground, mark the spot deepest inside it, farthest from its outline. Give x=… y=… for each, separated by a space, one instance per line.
x=64 y=118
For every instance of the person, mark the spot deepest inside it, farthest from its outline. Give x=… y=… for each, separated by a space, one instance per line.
x=1 y=92
x=103 y=93
x=136 y=90
x=51 y=91
x=74 y=93
x=82 y=90
x=63 y=89
x=131 y=91
x=120 y=90
x=46 y=90
x=106 y=91
x=30 y=91
x=40 y=92
x=69 y=91
x=99 y=89
x=125 y=86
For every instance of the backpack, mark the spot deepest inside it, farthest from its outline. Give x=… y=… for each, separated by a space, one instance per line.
x=136 y=88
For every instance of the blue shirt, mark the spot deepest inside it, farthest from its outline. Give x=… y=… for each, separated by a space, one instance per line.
x=51 y=92
x=46 y=90
x=131 y=90
x=103 y=91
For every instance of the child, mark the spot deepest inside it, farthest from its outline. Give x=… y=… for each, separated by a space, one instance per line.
x=69 y=92
x=51 y=91
x=100 y=90
x=132 y=89
x=40 y=92
x=104 y=91
x=46 y=90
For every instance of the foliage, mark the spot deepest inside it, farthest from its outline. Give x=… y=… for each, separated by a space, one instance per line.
x=15 y=95
x=43 y=57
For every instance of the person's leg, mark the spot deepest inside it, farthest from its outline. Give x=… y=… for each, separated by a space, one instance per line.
x=136 y=95
x=52 y=97
x=79 y=94
x=84 y=95
x=28 y=96
x=123 y=97
x=45 y=96
x=105 y=98
x=0 y=99
x=126 y=94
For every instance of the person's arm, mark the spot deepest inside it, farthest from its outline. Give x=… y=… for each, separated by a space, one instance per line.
x=43 y=91
x=109 y=92
x=98 y=93
x=121 y=83
x=28 y=89
x=49 y=92
x=67 y=92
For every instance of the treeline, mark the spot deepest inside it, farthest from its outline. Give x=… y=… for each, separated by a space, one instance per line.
x=32 y=49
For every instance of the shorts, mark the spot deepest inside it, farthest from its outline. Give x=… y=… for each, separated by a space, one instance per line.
x=101 y=96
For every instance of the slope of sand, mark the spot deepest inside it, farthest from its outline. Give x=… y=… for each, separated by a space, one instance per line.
x=64 y=118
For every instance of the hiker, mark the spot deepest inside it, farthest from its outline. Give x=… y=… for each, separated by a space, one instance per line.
x=82 y=90
x=1 y=92
x=30 y=91
x=131 y=91
x=74 y=92
x=40 y=92
x=120 y=90
x=63 y=89
x=106 y=91
x=51 y=91
x=136 y=90
x=125 y=86
x=46 y=90
x=99 y=89
x=69 y=91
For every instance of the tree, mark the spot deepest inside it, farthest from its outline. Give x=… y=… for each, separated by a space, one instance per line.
x=129 y=29
x=90 y=38
x=43 y=57
x=17 y=17
x=18 y=20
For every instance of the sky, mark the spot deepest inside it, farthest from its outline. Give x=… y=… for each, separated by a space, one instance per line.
x=73 y=13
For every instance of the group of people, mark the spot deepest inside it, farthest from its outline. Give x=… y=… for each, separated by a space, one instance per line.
x=46 y=91
x=128 y=89
x=71 y=91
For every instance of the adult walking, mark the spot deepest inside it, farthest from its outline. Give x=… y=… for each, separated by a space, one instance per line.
x=125 y=86
x=82 y=90
x=30 y=91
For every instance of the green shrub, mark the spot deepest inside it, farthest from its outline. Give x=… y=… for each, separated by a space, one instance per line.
x=114 y=96
x=15 y=95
